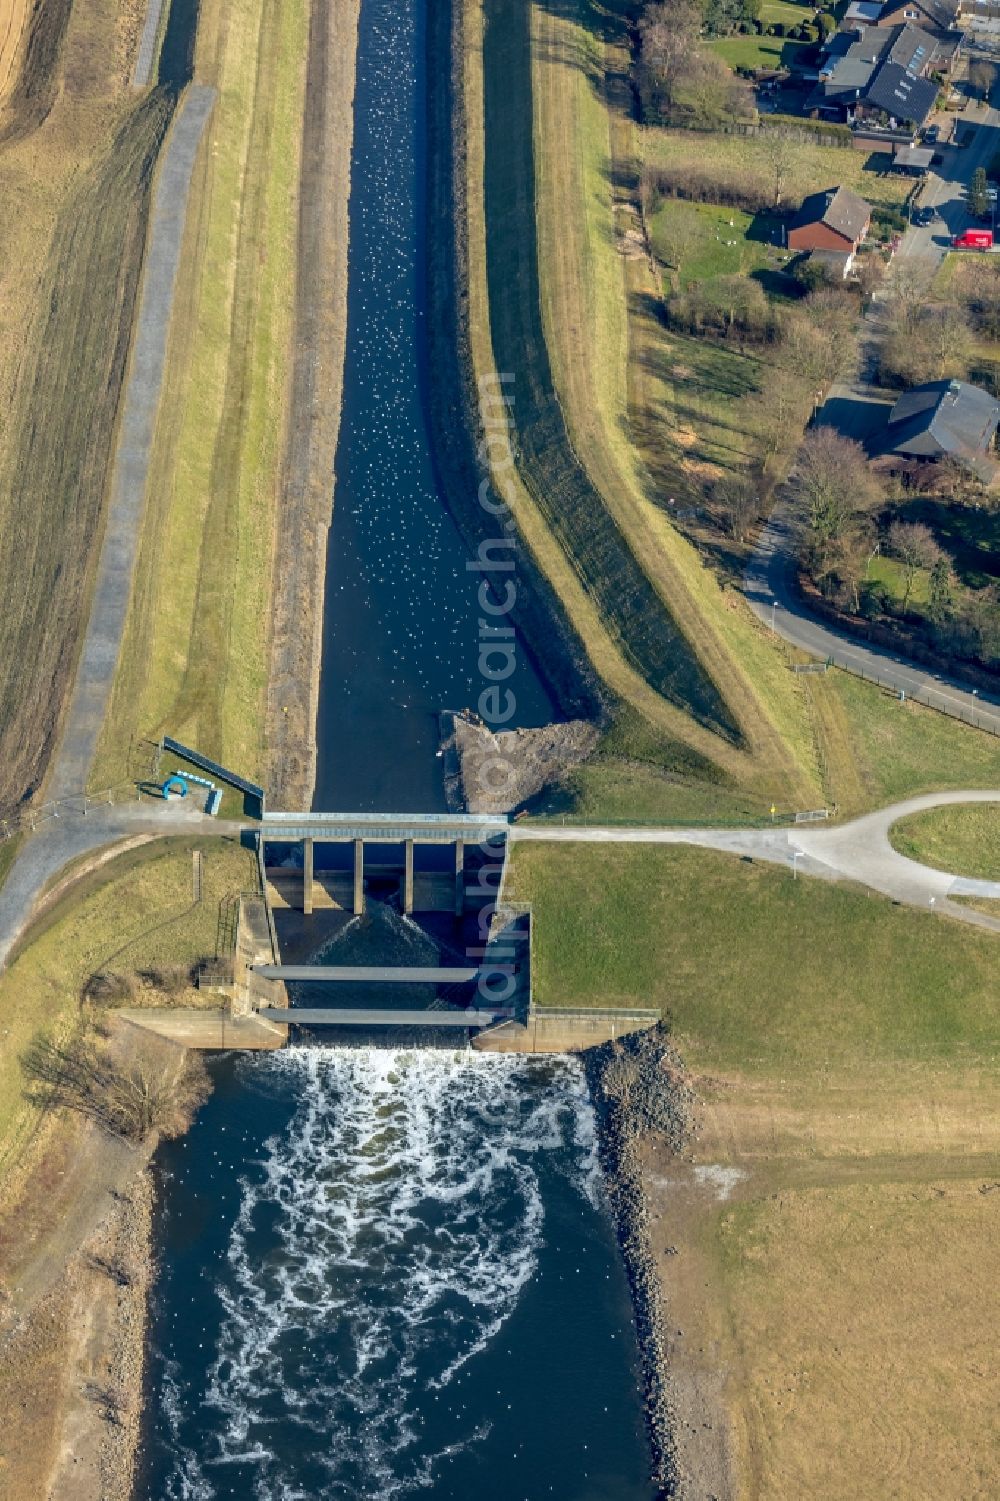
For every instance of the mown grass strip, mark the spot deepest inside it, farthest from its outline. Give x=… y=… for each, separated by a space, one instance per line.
x=194 y=662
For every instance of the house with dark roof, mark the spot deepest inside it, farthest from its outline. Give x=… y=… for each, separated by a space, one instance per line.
x=944 y=419
x=836 y=219
x=935 y=16
x=882 y=79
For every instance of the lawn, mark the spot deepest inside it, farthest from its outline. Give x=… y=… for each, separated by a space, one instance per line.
x=716 y=241
x=891 y=574
x=195 y=656
x=878 y=750
x=761 y=51
x=749 y=160
x=134 y=914
x=758 y=972
x=964 y=839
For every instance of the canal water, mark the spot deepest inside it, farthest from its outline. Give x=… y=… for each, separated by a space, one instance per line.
x=390 y=1272
x=401 y=630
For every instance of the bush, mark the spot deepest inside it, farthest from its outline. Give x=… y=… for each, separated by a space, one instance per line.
x=128 y=1097
x=108 y=988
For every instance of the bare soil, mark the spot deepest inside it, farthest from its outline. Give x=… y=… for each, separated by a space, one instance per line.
x=487 y=772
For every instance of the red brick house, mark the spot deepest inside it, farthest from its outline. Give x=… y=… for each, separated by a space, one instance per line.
x=835 y=220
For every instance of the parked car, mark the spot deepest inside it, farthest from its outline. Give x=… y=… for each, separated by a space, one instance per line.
x=931 y=135
x=924 y=215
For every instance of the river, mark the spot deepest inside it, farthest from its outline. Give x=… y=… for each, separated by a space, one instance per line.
x=390 y=1272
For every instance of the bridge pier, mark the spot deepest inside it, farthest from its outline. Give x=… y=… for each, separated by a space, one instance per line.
x=359 y=877
x=307 y=877
x=408 y=877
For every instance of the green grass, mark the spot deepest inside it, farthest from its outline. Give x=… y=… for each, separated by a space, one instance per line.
x=195 y=656
x=892 y=576
x=720 y=243
x=904 y=748
x=131 y=915
x=760 y=51
x=964 y=839
x=786 y=12
x=759 y=973
x=747 y=160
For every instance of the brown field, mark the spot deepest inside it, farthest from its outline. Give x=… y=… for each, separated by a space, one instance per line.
x=13 y=27
x=77 y=152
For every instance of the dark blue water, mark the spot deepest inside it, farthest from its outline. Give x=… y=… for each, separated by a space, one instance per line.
x=401 y=630
x=388 y=1275
x=391 y=1273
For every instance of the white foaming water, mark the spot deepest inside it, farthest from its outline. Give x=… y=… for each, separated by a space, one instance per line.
x=382 y=1243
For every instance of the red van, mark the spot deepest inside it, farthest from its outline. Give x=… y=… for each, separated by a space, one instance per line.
x=974 y=239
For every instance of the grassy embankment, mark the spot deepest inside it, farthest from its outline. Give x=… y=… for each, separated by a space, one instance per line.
x=845 y=1054
x=133 y=916
x=194 y=660
x=619 y=379
x=964 y=839
x=77 y=153
x=558 y=319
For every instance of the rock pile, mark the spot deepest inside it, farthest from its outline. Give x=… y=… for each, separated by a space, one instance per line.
x=639 y=1085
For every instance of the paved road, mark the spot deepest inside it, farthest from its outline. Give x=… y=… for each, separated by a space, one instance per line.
x=858 y=408
x=60 y=840
x=95 y=674
x=768 y=584
x=856 y=851
x=147 y=45
x=944 y=187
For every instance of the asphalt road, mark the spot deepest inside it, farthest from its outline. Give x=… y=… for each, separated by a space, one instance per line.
x=768 y=587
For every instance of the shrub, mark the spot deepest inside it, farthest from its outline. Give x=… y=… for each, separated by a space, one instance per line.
x=108 y=988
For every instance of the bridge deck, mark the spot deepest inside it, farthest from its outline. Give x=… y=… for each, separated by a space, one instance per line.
x=330 y=1016
x=392 y=974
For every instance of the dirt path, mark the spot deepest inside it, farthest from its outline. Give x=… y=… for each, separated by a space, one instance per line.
x=317 y=377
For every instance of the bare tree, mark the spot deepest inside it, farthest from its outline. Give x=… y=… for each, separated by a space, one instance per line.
x=915 y=545
x=779 y=152
x=128 y=1097
x=832 y=489
x=739 y=499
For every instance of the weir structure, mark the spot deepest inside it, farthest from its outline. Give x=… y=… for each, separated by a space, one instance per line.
x=444 y=867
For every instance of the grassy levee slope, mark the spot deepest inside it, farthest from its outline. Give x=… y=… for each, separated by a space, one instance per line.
x=131 y=917
x=76 y=192
x=194 y=660
x=572 y=506
x=659 y=632
x=826 y=1243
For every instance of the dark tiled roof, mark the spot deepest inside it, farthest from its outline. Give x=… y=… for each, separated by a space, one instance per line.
x=944 y=417
x=896 y=90
x=839 y=209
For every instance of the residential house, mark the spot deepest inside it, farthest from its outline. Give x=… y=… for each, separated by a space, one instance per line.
x=881 y=80
x=944 y=419
x=934 y=16
x=834 y=220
